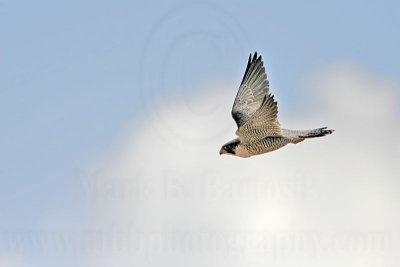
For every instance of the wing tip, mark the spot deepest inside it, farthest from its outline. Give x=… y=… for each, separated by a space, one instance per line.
x=255 y=57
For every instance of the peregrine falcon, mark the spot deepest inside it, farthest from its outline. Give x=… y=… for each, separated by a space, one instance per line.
x=256 y=114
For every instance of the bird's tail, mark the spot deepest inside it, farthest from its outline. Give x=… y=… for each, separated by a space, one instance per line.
x=298 y=136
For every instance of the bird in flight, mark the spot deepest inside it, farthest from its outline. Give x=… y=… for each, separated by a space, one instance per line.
x=256 y=114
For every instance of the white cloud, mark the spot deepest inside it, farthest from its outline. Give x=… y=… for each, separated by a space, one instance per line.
x=6 y=261
x=166 y=198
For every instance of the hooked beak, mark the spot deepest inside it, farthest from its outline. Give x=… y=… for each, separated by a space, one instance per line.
x=222 y=151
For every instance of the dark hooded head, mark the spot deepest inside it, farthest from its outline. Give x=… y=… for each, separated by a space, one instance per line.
x=230 y=147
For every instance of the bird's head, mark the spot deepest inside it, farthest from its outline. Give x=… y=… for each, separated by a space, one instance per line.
x=230 y=147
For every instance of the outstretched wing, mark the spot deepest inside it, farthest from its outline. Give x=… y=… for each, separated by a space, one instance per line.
x=263 y=123
x=252 y=90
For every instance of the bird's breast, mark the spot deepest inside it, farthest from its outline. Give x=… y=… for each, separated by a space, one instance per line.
x=242 y=152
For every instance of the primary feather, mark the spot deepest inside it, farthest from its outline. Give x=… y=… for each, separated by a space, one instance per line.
x=253 y=88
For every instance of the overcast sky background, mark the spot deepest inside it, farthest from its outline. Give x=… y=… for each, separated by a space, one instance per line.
x=84 y=87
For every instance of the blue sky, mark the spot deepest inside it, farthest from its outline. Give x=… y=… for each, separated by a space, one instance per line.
x=75 y=74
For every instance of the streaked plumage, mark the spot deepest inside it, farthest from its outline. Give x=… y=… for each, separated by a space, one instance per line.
x=256 y=115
